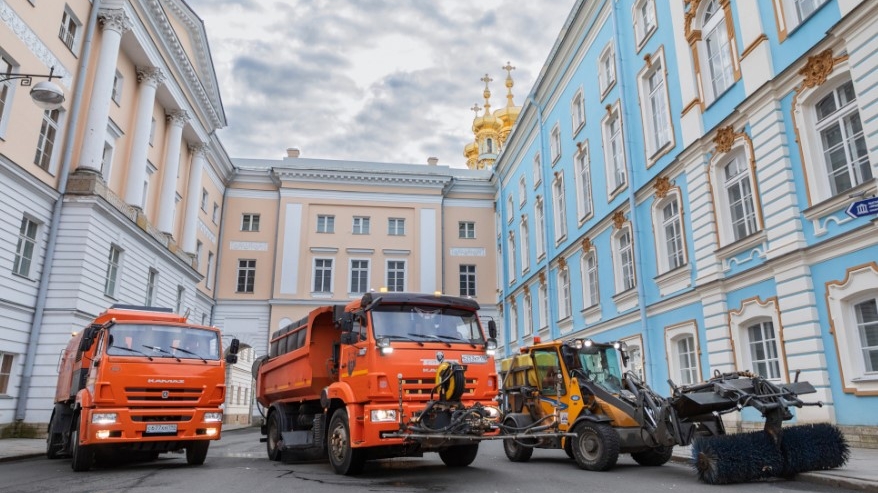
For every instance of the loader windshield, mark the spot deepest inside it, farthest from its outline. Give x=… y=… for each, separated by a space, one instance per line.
x=163 y=341
x=426 y=323
x=601 y=365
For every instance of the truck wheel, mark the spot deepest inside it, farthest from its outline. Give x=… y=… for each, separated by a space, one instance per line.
x=83 y=455
x=196 y=452
x=516 y=452
x=53 y=441
x=459 y=455
x=653 y=457
x=596 y=446
x=568 y=447
x=343 y=458
x=273 y=439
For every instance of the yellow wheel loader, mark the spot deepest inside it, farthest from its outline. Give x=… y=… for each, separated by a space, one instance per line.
x=579 y=389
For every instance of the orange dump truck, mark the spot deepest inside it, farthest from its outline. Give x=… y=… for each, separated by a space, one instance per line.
x=394 y=375
x=137 y=382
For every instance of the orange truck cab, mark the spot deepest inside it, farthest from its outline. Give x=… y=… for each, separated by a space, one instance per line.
x=138 y=381
x=389 y=375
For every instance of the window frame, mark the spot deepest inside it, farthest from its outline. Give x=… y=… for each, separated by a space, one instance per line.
x=118 y=85
x=466 y=230
x=577 y=111
x=721 y=24
x=24 y=240
x=591 y=291
x=625 y=271
x=511 y=258
x=611 y=132
x=325 y=223
x=395 y=269
x=660 y=228
x=152 y=279
x=607 y=69
x=247 y=274
x=655 y=106
x=355 y=274
x=361 y=225
x=322 y=272
x=111 y=275
x=7 y=91
x=395 y=226
x=565 y=296
x=743 y=150
x=50 y=127
x=467 y=278
x=524 y=232
x=642 y=30
x=250 y=222
x=527 y=302
x=582 y=177
x=859 y=284
x=673 y=335
x=555 y=143
x=752 y=311
x=540 y=221
x=69 y=39
x=7 y=369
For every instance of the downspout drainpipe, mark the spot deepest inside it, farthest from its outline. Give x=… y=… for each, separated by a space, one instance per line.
x=445 y=191
x=632 y=202
x=548 y=246
x=51 y=240
x=504 y=270
x=219 y=249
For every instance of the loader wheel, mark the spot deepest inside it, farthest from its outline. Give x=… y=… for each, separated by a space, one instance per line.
x=459 y=455
x=596 y=446
x=53 y=441
x=83 y=455
x=516 y=452
x=343 y=458
x=653 y=457
x=273 y=439
x=196 y=452
x=568 y=447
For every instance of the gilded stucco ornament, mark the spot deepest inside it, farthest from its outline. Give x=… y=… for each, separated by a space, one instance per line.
x=619 y=219
x=724 y=139
x=662 y=187
x=586 y=244
x=817 y=68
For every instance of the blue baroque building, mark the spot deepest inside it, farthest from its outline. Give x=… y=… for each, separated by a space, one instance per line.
x=678 y=179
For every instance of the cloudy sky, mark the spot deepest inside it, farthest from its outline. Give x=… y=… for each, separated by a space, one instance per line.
x=370 y=80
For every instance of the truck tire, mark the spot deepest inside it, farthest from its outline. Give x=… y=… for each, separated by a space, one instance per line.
x=459 y=455
x=343 y=458
x=53 y=441
x=83 y=455
x=196 y=452
x=653 y=457
x=273 y=438
x=596 y=446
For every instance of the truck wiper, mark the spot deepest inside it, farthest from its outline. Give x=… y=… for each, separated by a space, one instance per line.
x=189 y=352
x=133 y=351
x=397 y=337
x=439 y=338
x=156 y=348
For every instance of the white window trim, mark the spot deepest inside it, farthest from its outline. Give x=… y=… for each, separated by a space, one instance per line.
x=37 y=247
x=720 y=197
x=10 y=94
x=351 y=274
x=606 y=81
x=653 y=150
x=632 y=342
x=60 y=125
x=524 y=232
x=405 y=274
x=577 y=111
x=540 y=223
x=788 y=16
x=323 y=294
x=555 y=143
x=617 y=260
x=641 y=36
x=118 y=85
x=859 y=284
x=565 y=294
x=543 y=309
x=537 y=170
x=522 y=191
x=673 y=334
x=584 y=205
x=590 y=309
x=365 y=225
x=559 y=208
x=510 y=257
x=753 y=311
x=658 y=221
x=510 y=207
x=77 y=37
x=527 y=300
x=708 y=96
x=513 y=322
x=613 y=188
x=474 y=277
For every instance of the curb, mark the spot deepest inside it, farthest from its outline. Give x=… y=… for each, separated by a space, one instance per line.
x=29 y=455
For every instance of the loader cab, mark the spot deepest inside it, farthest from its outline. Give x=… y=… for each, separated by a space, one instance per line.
x=601 y=364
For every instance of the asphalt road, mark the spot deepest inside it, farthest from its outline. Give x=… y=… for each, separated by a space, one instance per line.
x=237 y=463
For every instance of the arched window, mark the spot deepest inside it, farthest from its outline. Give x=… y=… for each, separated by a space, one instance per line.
x=711 y=34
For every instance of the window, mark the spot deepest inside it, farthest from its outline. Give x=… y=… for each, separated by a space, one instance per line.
x=560 y=207
x=644 y=20
x=69 y=32
x=540 y=215
x=739 y=197
x=513 y=322
x=246 y=276
x=396 y=226
x=208 y=277
x=323 y=275
x=669 y=233
x=396 y=275
x=524 y=232
x=681 y=344
x=583 y=184
x=537 y=170
x=107 y=162
x=467 y=280
x=359 y=276
x=715 y=51
x=215 y=215
x=852 y=300
x=763 y=350
x=555 y=143
x=112 y=274
x=199 y=249
x=528 y=314
x=685 y=348
x=466 y=230
x=181 y=296
x=509 y=208
x=204 y=196
x=361 y=225
x=590 y=289
x=6 y=88
x=151 y=281
x=654 y=101
x=867 y=327
x=522 y=191
x=607 y=69
x=577 y=111
x=152 y=140
x=24 y=251
x=510 y=258
x=842 y=139
x=614 y=154
x=117 y=88
x=250 y=222
x=5 y=372
x=543 y=298
x=624 y=257
x=803 y=9
x=565 y=308
x=325 y=224
x=46 y=141
x=150 y=170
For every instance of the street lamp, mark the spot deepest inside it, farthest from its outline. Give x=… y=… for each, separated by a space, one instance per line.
x=46 y=94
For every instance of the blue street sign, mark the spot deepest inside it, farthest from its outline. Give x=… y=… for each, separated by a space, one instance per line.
x=863 y=208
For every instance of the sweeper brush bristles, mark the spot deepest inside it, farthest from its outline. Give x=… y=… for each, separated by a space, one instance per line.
x=736 y=458
x=812 y=447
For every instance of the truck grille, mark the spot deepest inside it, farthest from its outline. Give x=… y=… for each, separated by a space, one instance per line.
x=423 y=386
x=164 y=397
x=157 y=419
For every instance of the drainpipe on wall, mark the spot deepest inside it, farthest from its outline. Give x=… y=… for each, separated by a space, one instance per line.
x=51 y=240
x=632 y=202
x=219 y=247
x=445 y=190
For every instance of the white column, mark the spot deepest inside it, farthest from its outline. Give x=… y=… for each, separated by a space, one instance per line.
x=193 y=196
x=167 y=200
x=114 y=23
x=149 y=78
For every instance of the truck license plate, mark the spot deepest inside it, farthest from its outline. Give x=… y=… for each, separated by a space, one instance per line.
x=161 y=428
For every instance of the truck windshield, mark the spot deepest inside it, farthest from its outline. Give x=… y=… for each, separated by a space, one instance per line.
x=426 y=323
x=601 y=365
x=163 y=341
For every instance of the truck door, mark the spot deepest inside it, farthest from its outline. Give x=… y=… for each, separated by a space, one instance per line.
x=353 y=365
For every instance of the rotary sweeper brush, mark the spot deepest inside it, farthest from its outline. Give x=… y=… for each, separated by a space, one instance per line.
x=576 y=395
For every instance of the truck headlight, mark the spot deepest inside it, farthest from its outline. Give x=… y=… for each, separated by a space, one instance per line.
x=103 y=418
x=383 y=415
x=213 y=417
x=384 y=346
x=491 y=347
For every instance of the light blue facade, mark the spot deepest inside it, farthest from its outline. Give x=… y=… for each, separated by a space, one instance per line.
x=743 y=255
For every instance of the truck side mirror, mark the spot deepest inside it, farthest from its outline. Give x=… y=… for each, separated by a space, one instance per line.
x=350 y=337
x=231 y=358
x=492 y=329
x=88 y=338
x=234 y=346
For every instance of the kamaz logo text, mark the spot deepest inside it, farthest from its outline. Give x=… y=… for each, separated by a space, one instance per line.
x=164 y=380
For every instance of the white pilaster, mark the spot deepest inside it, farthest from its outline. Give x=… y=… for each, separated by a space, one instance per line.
x=167 y=200
x=114 y=23
x=149 y=78
x=193 y=195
